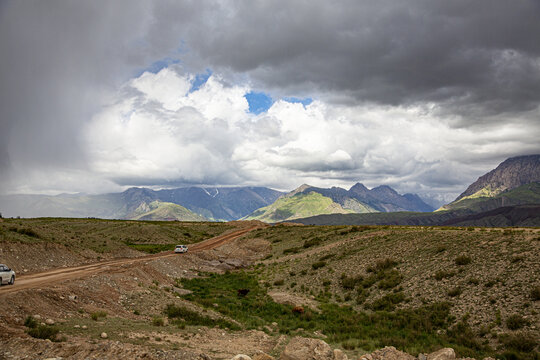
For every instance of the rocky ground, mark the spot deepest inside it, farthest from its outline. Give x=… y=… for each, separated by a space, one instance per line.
x=118 y=312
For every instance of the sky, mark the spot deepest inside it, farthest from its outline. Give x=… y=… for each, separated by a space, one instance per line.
x=424 y=96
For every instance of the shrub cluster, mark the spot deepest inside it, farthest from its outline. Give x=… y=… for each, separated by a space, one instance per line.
x=39 y=331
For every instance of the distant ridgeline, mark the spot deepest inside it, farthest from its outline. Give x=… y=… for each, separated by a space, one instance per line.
x=307 y=201
x=506 y=196
x=215 y=204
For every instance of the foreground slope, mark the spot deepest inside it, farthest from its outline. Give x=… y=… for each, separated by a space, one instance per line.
x=358 y=288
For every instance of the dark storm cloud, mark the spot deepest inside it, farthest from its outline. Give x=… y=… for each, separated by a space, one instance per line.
x=477 y=63
x=482 y=56
x=58 y=61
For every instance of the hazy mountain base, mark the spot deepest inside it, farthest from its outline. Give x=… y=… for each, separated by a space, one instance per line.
x=212 y=203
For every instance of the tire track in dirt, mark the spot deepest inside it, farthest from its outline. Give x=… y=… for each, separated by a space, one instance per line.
x=57 y=275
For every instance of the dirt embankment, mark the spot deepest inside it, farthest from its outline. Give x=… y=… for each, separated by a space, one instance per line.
x=132 y=292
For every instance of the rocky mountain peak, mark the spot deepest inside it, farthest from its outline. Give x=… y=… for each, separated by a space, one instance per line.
x=510 y=174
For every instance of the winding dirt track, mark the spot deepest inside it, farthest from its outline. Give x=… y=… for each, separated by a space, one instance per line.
x=57 y=275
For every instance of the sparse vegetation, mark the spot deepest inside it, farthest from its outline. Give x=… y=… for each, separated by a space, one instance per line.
x=515 y=322
x=97 y=315
x=463 y=260
x=39 y=331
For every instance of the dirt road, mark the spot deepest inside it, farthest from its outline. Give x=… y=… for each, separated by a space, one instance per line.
x=57 y=275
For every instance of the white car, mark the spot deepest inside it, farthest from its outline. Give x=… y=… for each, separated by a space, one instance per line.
x=180 y=249
x=7 y=276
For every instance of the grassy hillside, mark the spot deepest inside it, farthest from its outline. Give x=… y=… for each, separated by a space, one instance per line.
x=96 y=237
x=297 y=206
x=158 y=210
x=488 y=278
x=483 y=199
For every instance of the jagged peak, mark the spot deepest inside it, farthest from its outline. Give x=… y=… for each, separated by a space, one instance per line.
x=358 y=186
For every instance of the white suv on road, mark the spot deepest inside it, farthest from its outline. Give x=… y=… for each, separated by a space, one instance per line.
x=180 y=249
x=7 y=276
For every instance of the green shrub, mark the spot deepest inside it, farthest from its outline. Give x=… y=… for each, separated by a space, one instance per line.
x=98 y=314
x=43 y=332
x=30 y=322
x=318 y=265
x=463 y=260
x=388 y=302
x=312 y=242
x=326 y=257
x=158 y=321
x=350 y=283
x=190 y=317
x=389 y=279
x=515 y=322
x=293 y=250
x=522 y=342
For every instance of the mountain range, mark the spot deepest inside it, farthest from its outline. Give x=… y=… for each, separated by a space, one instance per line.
x=506 y=196
x=306 y=201
x=514 y=185
x=214 y=203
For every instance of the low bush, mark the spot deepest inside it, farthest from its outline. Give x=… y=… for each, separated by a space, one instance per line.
x=39 y=331
x=463 y=260
x=44 y=332
x=98 y=314
x=521 y=342
x=388 y=302
x=191 y=317
x=158 y=321
x=351 y=282
x=30 y=322
x=312 y=242
x=318 y=265
x=515 y=322
x=389 y=279
x=293 y=250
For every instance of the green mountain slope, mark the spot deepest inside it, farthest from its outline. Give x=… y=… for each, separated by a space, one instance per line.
x=483 y=200
x=157 y=210
x=297 y=206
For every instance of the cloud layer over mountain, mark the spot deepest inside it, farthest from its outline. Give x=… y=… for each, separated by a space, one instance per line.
x=421 y=95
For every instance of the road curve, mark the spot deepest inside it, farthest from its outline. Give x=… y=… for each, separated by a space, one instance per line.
x=68 y=273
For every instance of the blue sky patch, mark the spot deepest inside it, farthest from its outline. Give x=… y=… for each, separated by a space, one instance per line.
x=304 y=101
x=258 y=102
x=200 y=80
x=156 y=66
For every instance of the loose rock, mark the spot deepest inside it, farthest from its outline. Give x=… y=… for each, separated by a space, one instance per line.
x=300 y=348
x=442 y=354
x=104 y=335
